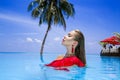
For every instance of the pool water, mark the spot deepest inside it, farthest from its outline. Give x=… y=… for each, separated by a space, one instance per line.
x=27 y=66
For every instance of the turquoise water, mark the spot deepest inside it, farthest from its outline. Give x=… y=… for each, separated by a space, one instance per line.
x=27 y=66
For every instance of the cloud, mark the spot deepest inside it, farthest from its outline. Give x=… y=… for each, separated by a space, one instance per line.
x=38 y=40
x=28 y=39
x=17 y=18
x=92 y=43
x=25 y=33
x=57 y=38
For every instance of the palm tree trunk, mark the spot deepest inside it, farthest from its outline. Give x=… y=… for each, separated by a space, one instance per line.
x=42 y=46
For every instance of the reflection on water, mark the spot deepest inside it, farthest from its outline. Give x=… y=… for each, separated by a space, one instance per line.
x=75 y=73
x=110 y=67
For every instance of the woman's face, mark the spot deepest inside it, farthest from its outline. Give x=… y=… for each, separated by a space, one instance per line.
x=68 y=39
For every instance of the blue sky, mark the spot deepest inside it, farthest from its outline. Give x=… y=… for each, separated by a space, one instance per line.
x=19 y=32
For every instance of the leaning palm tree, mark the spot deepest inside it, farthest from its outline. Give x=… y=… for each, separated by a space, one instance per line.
x=51 y=12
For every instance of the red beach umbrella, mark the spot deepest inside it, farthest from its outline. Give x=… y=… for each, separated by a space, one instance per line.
x=112 y=40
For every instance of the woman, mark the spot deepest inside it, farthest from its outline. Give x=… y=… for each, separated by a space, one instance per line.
x=75 y=55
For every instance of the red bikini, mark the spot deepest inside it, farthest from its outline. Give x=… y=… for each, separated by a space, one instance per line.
x=67 y=61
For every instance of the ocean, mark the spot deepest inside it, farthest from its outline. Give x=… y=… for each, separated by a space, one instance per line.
x=27 y=66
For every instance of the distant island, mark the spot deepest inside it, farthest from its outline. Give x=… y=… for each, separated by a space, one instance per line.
x=111 y=46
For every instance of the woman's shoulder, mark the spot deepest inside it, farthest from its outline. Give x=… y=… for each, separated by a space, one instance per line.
x=60 y=57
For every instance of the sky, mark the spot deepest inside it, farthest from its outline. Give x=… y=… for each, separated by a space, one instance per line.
x=19 y=32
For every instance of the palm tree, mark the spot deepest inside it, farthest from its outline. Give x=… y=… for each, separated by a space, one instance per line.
x=51 y=12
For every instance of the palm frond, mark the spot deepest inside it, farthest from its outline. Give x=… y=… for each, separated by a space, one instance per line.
x=35 y=13
x=67 y=8
x=62 y=20
x=32 y=5
x=117 y=34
